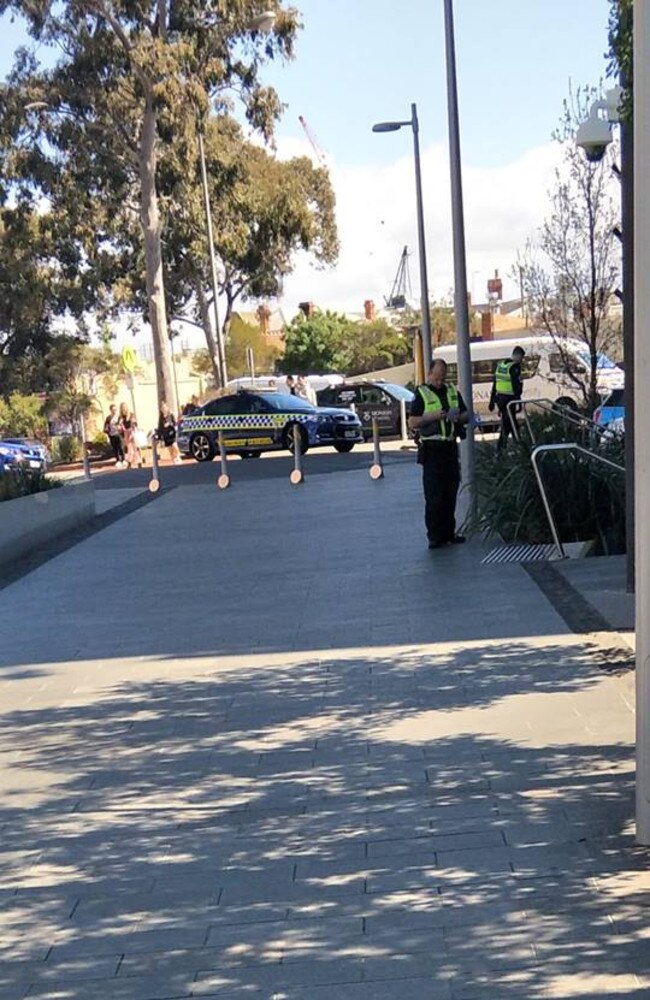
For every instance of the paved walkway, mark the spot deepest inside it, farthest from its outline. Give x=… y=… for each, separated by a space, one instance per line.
x=264 y=744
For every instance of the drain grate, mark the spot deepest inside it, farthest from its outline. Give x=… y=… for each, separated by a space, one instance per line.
x=520 y=553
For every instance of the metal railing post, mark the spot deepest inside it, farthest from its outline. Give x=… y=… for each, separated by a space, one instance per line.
x=223 y=479
x=297 y=477
x=377 y=468
x=563 y=446
x=86 y=462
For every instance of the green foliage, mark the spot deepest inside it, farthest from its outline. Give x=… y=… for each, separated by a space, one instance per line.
x=587 y=498
x=317 y=344
x=239 y=339
x=23 y=482
x=23 y=416
x=620 y=53
x=331 y=342
x=66 y=449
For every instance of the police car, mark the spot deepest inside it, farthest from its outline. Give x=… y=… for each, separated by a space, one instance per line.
x=252 y=423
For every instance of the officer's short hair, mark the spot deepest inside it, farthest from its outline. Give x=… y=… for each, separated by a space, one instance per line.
x=437 y=361
x=520 y=351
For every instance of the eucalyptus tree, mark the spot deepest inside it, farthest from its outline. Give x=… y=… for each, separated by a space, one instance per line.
x=90 y=115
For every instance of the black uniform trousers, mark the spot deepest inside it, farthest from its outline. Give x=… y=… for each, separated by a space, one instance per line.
x=507 y=417
x=440 y=479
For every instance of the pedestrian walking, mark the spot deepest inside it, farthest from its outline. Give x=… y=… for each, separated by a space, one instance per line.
x=166 y=433
x=439 y=413
x=112 y=431
x=506 y=388
x=128 y=427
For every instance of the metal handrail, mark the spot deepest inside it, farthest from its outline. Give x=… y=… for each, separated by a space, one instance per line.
x=563 y=446
x=551 y=407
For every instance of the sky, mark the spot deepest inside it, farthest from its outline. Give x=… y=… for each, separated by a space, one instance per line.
x=362 y=61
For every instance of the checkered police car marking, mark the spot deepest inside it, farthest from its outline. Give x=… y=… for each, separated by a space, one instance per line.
x=248 y=421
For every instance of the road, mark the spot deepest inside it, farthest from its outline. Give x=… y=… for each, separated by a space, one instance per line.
x=271 y=466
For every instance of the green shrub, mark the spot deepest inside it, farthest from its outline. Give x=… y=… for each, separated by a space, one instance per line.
x=22 y=416
x=587 y=498
x=24 y=482
x=66 y=449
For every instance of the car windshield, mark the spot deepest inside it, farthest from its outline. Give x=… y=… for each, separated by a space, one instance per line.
x=400 y=391
x=602 y=361
x=284 y=401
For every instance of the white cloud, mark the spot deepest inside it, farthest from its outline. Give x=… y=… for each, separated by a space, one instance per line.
x=376 y=218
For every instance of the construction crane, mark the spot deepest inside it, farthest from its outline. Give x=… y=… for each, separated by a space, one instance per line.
x=313 y=142
x=401 y=291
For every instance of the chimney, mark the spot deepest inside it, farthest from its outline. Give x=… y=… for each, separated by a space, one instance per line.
x=487 y=326
x=307 y=308
x=264 y=316
x=369 y=310
x=495 y=287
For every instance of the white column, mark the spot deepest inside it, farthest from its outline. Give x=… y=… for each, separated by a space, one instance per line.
x=642 y=409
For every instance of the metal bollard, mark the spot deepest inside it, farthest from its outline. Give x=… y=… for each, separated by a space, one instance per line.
x=297 y=477
x=376 y=469
x=403 y=424
x=154 y=482
x=223 y=479
x=86 y=463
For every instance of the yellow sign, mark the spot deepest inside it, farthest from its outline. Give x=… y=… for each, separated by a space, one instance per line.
x=246 y=442
x=129 y=359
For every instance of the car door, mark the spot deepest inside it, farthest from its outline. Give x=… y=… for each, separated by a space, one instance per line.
x=375 y=404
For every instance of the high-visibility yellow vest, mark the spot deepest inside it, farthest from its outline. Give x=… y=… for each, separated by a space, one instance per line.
x=443 y=430
x=503 y=376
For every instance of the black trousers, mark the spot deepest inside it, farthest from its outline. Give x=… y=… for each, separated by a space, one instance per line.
x=440 y=479
x=118 y=447
x=507 y=418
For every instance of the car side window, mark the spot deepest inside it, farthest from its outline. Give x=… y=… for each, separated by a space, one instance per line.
x=371 y=394
x=220 y=406
x=327 y=397
x=258 y=405
x=347 y=396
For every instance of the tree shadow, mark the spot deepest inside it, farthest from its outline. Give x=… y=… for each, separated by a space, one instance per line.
x=338 y=825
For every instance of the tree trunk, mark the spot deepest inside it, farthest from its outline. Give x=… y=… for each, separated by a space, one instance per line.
x=206 y=319
x=151 y=229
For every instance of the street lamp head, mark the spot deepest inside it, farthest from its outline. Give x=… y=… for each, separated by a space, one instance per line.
x=263 y=22
x=389 y=126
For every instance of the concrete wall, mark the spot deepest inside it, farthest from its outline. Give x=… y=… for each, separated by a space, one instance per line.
x=31 y=521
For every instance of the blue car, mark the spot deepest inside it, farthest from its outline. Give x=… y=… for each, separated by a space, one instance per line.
x=32 y=454
x=10 y=459
x=612 y=410
x=253 y=423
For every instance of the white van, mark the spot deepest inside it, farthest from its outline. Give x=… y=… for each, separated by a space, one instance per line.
x=278 y=383
x=543 y=369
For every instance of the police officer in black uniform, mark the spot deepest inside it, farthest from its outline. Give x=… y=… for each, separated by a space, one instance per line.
x=506 y=387
x=438 y=413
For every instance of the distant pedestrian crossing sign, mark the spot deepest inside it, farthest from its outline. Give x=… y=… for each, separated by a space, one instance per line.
x=129 y=359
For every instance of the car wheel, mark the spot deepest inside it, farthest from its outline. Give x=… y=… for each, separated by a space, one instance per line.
x=288 y=438
x=344 y=446
x=567 y=403
x=201 y=448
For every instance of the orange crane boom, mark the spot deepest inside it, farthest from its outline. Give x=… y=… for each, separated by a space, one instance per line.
x=313 y=142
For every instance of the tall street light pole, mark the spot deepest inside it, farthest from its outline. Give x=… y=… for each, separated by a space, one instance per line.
x=263 y=23
x=461 y=312
x=641 y=34
x=422 y=249
x=218 y=332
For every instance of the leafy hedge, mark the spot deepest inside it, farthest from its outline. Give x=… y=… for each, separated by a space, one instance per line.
x=23 y=482
x=587 y=498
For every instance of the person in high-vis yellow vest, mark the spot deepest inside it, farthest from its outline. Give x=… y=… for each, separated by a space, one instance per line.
x=438 y=414
x=506 y=387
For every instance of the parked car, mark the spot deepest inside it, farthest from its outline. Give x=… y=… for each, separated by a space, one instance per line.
x=10 y=459
x=34 y=454
x=252 y=423
x=611 y=410
x=379 y=400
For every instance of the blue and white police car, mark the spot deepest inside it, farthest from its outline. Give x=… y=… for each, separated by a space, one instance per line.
x=252 y=423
